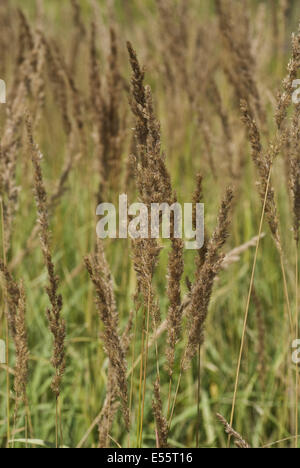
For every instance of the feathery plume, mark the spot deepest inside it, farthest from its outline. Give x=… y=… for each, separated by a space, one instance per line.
x=10 y=143
x=174 y=317
x=79 y=36
x=56 y=322
x=111 y=403
x=12 y=294
x=58 y=80
x=236 y=37
x=294 y=171
x=202 y=289
x=263 y=164
x=16 y=316
x=106 y=109
x=21 y=345
x=98 y=271
x=161 y=422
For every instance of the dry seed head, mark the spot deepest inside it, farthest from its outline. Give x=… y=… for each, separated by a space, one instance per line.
x=238 y=440
x=60 y=89
x=97 y=268
x=295 y=188
x=16 y=317
x=202 y=289
x=21 y=345
x=284 y=98
x=12 y=296
x=236 y=37
x=294 y=170
x=174 y=316
x=263 y=163
x=161 y=422
x=56 y=323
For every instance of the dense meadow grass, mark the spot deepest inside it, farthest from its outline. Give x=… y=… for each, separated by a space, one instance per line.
x=198 y=69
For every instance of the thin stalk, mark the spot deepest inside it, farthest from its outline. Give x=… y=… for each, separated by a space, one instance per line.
x=60 y=423
x=26 y=430
x=248 y=306
x=156 y=351
x=285 y=287
x=7 y=383
x=198 y=396
x=297 y=365
x=175 y=398
x=169 y=397
x=279 y=442
x=156 y=354
x=141 y=378
x=15 y=425
x=28 y=427
x=56 y=422
x=145 y=367
x=132 y=374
